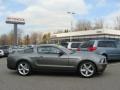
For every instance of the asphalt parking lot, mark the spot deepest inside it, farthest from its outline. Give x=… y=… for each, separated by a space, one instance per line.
x=9 y=80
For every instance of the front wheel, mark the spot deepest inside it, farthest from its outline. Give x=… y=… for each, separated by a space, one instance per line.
x=87 y=69
x=23 y=68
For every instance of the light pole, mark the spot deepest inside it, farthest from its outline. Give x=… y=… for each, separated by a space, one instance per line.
x=71 y=13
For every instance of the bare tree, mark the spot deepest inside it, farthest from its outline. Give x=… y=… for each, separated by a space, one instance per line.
x=66 y=31
x=83 y=25
x=46 y=38
x=26 y=40
x=40 y=35
x=117 y=23
x=99 y=24
x=34 y=38
x=10 y=37
x=4 y=40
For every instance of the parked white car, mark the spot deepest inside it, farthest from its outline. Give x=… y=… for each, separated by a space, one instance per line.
x=1 y=53
x=71 y=45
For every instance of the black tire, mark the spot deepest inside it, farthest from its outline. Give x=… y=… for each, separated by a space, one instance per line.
x=83 y=71
x=24 y=68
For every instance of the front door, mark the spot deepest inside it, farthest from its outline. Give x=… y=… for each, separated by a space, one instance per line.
x=49 y=58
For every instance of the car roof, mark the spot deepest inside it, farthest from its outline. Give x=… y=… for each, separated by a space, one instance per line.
x=102 y=40
x=71 y=42
x=46 y=45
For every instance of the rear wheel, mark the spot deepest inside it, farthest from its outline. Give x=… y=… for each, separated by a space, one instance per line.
x=87 y=69
x=23 y=68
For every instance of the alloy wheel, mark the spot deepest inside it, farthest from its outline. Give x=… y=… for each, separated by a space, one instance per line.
x=23 y=68
x=87 y=69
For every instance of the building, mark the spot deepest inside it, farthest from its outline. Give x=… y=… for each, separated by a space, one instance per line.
x=86 y=35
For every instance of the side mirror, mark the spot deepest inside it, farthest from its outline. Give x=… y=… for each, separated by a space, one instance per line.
x=60 y=53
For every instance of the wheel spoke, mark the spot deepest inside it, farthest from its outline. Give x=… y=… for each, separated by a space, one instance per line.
x=20 y=69
x=89 y=66
x=24 y=72
x=83 y=70
x=27 y=69
x=21 y=65
x=86 y=73
x=85 y=66
x=91 y=71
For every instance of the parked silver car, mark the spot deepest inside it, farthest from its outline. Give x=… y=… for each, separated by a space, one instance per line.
x=13 y=49
x=57 y=58
x=108 y=48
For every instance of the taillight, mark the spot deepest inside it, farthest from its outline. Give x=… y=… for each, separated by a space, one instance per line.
x=78 y=49
x=91 y=49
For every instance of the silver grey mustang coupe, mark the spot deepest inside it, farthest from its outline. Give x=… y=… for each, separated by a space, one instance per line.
x=57 y=58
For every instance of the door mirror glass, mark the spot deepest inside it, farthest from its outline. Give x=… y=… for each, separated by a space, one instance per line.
x=60 y=53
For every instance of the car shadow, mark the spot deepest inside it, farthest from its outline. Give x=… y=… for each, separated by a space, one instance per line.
x=113 y=61
x=55 y=74
x=59 y=74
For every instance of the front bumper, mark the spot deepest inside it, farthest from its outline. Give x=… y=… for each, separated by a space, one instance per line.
x=101 y=67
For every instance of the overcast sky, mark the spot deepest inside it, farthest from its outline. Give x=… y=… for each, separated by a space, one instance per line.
x=51 y=15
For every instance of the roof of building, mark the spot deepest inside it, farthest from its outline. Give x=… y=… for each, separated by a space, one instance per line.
x=88 y=32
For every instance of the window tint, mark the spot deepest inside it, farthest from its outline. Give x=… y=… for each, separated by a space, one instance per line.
x=118 y=44
x=48 y=50
x=43 y=50
x=64 y=44
x=87 y=44
x=106 y=44
x=54 y=50
x=4 y=47
x=1 y=48
x=75 y=45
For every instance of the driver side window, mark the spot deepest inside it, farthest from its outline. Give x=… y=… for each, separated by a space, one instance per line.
x=48 y=50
